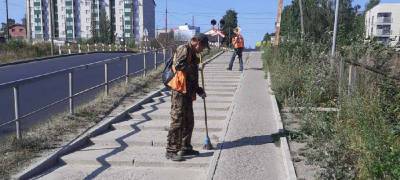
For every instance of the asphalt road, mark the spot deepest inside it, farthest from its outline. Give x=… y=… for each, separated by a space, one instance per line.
x=36 y=94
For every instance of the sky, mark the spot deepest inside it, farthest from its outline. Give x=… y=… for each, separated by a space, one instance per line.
x=255 y=17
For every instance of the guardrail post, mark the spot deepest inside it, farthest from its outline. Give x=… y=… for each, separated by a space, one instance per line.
x=88 y=47
x=144 y=64
x=59 y=49
x=164 y=54
x=126 y=71
x=109 y=47
x=106 y=79
x=155 y=59
x=102 y=47
x=125 y=47
x=79 y=48
x=95 y=47
x=69 y=49
x=16 y=111
x=71 y=92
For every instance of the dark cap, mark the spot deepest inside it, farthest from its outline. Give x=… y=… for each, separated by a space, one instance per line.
x=203 y=39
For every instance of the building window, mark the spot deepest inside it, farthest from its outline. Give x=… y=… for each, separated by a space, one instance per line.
x=87 y=28
x=87 y=19
x=87 y=12
x=128 y=26
x=128 y=10
x=127 y=34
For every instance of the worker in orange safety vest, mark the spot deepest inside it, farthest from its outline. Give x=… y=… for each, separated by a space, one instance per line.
x=238 y=44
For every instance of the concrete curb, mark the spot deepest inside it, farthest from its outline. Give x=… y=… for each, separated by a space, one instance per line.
x=217 y=153
x=58 y=56
x=83 y=139
x=287 y=159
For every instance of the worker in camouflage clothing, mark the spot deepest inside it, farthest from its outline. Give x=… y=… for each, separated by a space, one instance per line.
x=184 y=87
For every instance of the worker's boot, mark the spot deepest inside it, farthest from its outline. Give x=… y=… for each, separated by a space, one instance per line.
x=174 y=156
x=189 y=152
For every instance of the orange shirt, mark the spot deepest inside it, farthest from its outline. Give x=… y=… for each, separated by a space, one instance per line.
x=238 y=41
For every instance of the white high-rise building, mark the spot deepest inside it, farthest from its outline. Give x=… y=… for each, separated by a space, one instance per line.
x=79 y=19
x=382 y=23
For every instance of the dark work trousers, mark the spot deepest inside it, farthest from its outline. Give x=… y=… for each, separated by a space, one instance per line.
x=182 y=123
x=237 y=52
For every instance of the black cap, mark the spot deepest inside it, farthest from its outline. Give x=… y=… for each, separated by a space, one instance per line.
x=203 y=39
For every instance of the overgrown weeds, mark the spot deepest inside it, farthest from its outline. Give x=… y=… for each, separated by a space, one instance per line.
x=362 y=141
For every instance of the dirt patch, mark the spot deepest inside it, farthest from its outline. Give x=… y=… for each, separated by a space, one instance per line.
x=298 y=148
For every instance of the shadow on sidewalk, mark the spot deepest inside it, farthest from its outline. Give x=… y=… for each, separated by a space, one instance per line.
x=254 y=140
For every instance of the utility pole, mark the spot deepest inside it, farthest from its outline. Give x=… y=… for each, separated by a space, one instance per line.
x=51 y=26
x=301 y=19
x=8 y=33
x=335 y=31
x=193 y=21
x=278 y=23
x=166 y=16
x=166 y=22
x=28 y=20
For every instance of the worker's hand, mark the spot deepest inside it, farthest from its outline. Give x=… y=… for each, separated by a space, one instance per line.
x=201 y=66
x=201 y=93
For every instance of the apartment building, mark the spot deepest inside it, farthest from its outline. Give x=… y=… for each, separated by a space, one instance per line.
x=382 y=23
x=79 y=19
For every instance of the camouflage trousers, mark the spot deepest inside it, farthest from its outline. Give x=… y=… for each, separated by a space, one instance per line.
x=182 y=123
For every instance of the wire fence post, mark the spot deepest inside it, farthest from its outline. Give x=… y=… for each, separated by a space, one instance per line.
x=79 y=48
x=164 y=54
x=144 y=64
x=88 y=47
x=126 y=71
x=155 y=59
x=71 y=92
x=105 y=79
x=352 y=79
x=16 y=111
x=340 y=86
x=59 y=49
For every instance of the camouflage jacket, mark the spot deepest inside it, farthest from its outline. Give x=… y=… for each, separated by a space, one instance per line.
x=187 y=61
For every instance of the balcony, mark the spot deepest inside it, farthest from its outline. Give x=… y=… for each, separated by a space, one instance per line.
x=384 y=20
x=383 y=32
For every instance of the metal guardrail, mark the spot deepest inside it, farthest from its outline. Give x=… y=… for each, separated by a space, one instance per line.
x=71 y=95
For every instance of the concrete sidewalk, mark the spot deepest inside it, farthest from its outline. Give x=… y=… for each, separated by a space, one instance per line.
x=248 y=150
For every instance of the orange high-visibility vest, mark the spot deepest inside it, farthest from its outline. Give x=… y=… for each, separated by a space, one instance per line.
x=238 y=41
x=178 y=82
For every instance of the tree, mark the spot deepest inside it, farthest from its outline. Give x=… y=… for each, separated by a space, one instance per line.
x=319 y=20
x=102 y=34
x=371 y=4
x=267 y=37
x=230 y=19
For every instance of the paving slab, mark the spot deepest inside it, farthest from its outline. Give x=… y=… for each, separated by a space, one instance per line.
x=132 y=156
x=163 y=125
x=151 y=138
x=248 y=151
